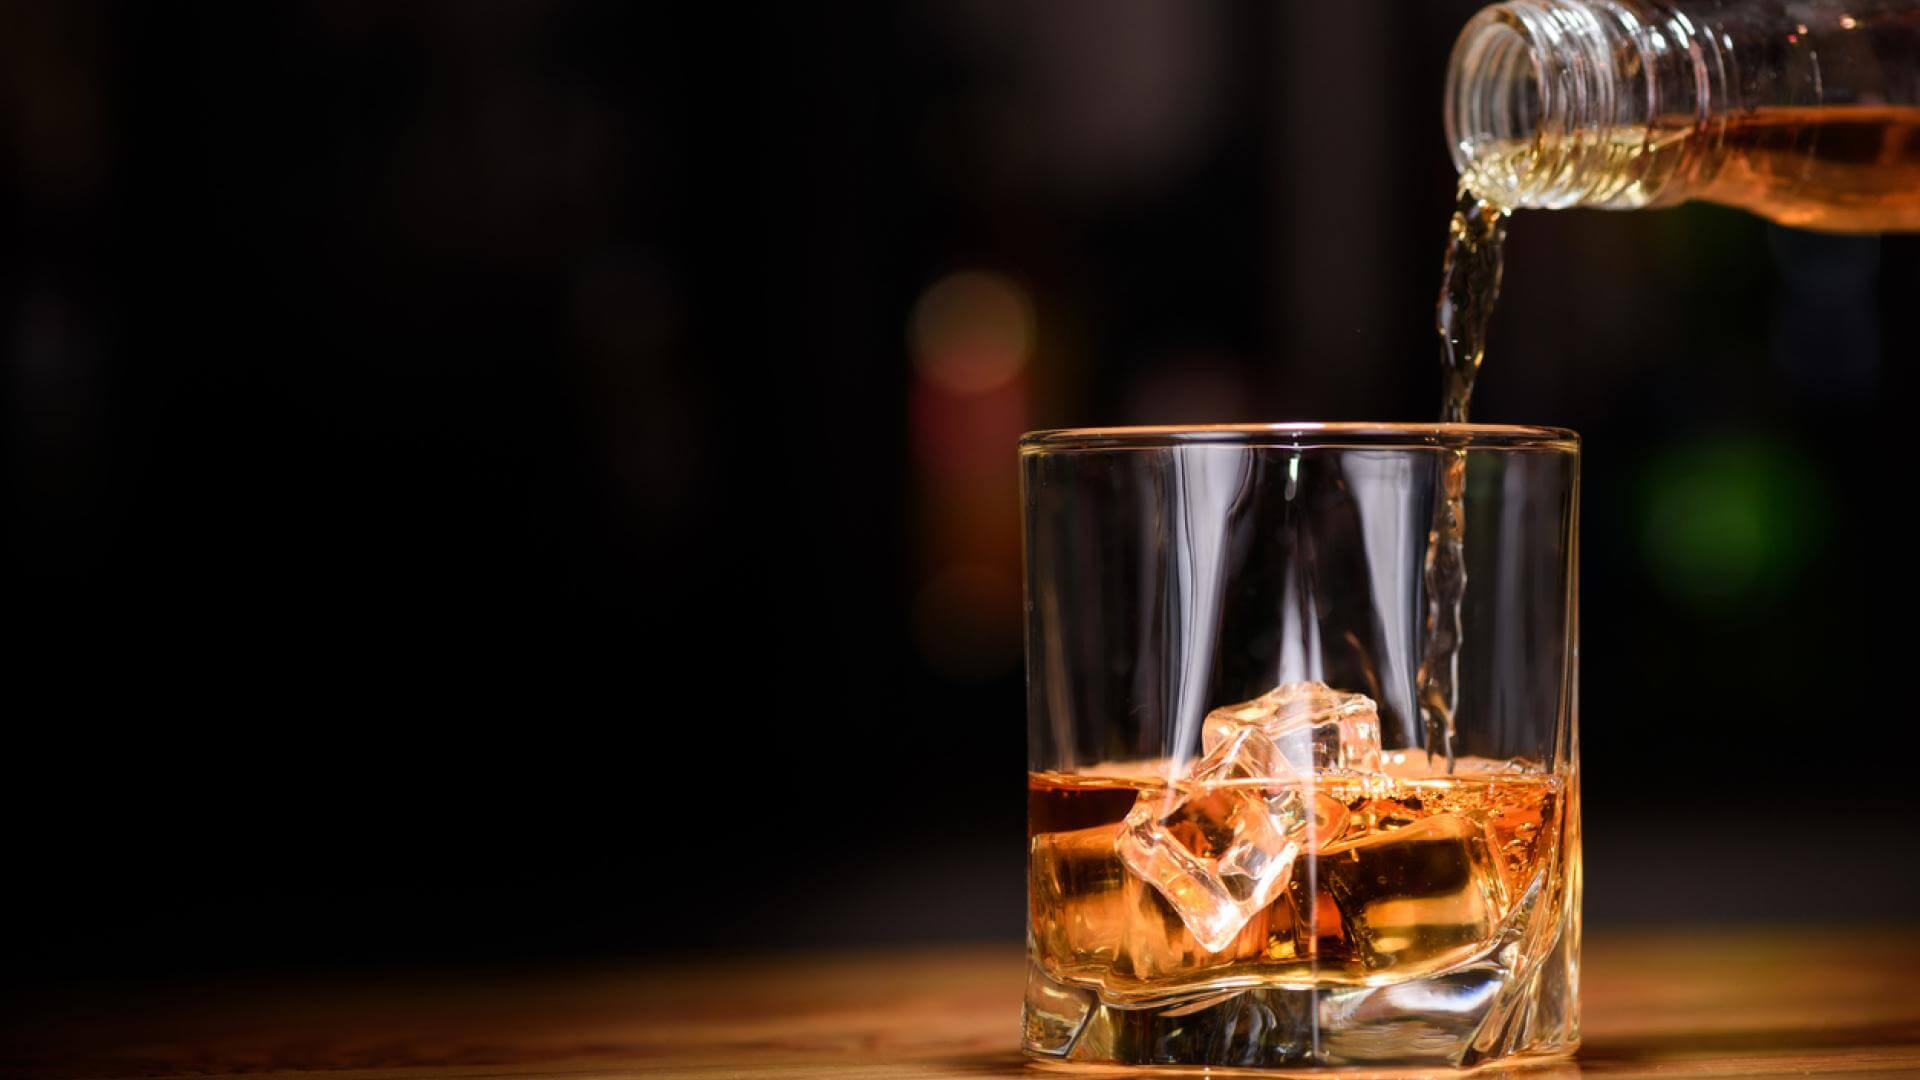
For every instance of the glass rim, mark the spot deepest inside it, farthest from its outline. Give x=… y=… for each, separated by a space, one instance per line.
x=1306 y=435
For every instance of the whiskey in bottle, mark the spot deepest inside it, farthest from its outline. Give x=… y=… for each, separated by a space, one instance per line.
x=1805 y=113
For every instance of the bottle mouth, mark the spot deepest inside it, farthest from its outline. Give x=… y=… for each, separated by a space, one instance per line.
x=1495 y=106
x=1548 y=105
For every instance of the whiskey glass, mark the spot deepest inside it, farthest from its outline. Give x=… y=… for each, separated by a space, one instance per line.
x=1303 y=783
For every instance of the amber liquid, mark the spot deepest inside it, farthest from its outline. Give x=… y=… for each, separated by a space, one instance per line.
x=1469 y=286
x=1841 y=168
x=1403 y=878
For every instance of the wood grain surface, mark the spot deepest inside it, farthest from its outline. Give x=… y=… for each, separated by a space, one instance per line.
x=1693 y=1004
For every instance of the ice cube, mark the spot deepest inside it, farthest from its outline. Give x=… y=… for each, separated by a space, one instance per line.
x=1219 y=845
x=1099 y=925
x=1315 y=727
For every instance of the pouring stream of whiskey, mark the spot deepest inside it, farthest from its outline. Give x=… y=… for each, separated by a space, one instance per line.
x=1469 y=285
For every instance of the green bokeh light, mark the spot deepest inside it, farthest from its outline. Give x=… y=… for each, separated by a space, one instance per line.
x=1730 y=522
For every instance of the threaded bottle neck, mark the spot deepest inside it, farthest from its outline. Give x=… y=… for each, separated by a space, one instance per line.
x=1557 y=103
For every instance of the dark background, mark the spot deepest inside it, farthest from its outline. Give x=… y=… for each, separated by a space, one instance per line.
x=474 y=491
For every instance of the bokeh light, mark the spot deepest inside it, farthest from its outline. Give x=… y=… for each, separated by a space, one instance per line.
x=972 y=337
x=971 y=332
x=1730 y=521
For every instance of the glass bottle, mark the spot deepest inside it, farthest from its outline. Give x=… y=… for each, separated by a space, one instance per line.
x=1806 y=113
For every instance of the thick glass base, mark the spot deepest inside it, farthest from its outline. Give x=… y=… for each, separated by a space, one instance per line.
x=1470 y=1016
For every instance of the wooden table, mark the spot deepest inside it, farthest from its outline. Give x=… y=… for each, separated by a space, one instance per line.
x=1689 y=1004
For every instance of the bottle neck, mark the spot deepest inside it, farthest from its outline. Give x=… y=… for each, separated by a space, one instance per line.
x=1558 y=103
